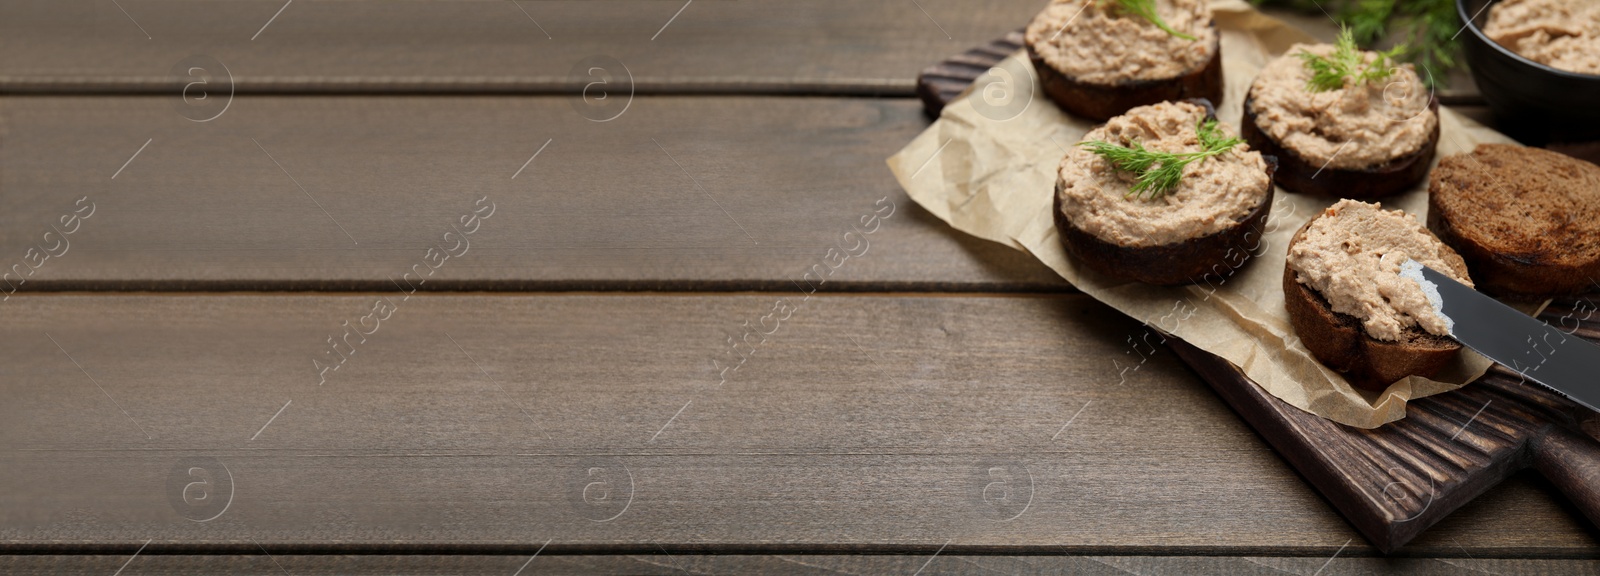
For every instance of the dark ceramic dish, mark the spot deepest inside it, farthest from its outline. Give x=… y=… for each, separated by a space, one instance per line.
x=1533 y=103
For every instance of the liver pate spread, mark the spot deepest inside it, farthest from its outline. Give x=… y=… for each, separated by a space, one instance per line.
x=1562 y=34
x=1352 y=254
x=1213 y=194
x=1358 y=126
x=1097 y=42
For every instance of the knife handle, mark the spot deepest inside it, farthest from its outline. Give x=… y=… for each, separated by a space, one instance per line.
x=1572 y=463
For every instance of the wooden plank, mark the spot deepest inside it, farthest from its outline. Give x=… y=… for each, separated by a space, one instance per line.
x=475 y=424
x=767 y=46
x=334 y=193
x=267 y=563
x=494 y=46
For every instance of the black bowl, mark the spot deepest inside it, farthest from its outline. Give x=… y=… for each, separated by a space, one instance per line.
x=1531 y=102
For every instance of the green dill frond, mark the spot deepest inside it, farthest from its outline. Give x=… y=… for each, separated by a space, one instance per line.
x=1347 y=64
x=1135 y=159
x=1325 y=73
x=1147 y=9
x=1428 y=27
x=1211 y=137
x=1159 y=172
x=1368 y=19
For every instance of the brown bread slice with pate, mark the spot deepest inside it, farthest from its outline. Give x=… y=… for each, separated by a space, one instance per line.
x=1526 y=220
x=1201 y=230
x=1349 y=250
x=1096 y=60
x=1365 y=140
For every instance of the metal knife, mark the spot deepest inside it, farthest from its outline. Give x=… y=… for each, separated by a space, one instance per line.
x=1560 y=361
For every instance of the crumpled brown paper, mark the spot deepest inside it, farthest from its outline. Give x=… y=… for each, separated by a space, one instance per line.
x=988 y=167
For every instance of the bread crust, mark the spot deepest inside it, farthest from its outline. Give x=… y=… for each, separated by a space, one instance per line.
x=1525 y=276
x=1296 y=174
x=1100 y=102
x=1339 y=341
x=1190 y=261
x=1519 y=277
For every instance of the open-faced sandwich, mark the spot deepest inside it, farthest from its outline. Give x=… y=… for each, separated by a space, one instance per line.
x=1099 y=58
x=1164 y=194
x=1343 y=122
x=1526 y=220
x=1351 y=307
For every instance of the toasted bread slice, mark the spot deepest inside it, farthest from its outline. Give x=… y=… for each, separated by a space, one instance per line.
x=1102 y=101
x=1206 y=258
x=1526 y=220
x=1212 y=257
x=1299 y=175
x=1097 y=60
x=1340 y=341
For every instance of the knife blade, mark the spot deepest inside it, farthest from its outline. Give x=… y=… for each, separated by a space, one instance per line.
x=1555 y=359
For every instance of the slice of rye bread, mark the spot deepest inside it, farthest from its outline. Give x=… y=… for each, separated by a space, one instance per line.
x=1526 y=220
x=1100 y=102
x=1340 y=342
x=1212 y=257
x=1296 y=174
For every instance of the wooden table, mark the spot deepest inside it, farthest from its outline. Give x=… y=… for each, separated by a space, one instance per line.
x=559 y=395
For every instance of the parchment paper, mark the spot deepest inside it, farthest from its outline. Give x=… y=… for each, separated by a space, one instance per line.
x=988 y=166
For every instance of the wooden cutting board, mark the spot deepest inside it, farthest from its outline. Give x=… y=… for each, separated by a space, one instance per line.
x=1396 y=481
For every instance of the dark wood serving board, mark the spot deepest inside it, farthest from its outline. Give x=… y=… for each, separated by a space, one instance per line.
x=1393 y=482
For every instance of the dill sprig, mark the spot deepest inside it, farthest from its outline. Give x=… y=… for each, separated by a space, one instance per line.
x=1428 y=27
x=1147 y=10
x=1347 y=63
x=1159 y=172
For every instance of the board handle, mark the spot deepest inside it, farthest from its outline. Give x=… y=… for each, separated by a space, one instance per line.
x=1572 y=463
